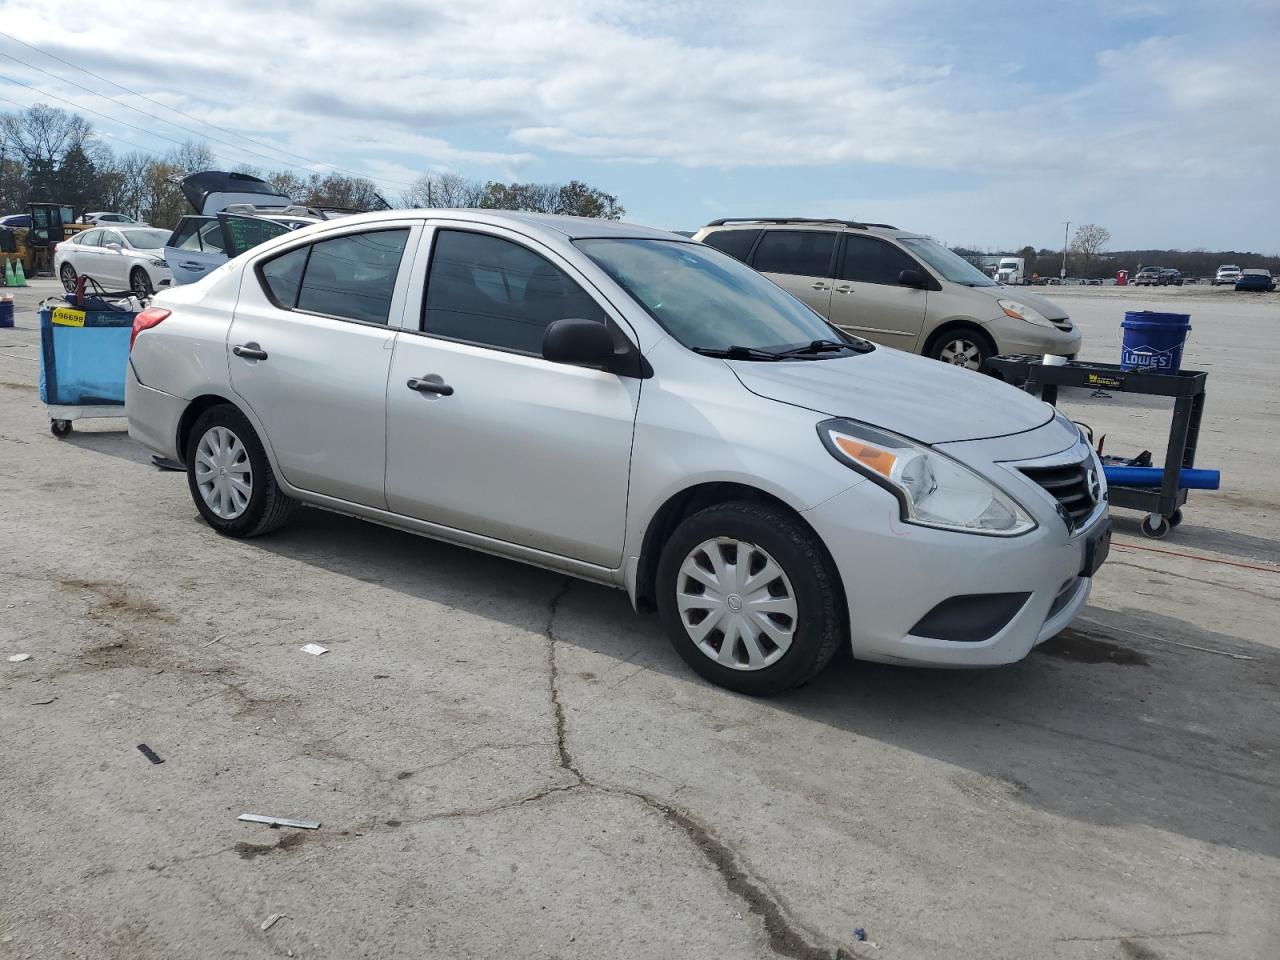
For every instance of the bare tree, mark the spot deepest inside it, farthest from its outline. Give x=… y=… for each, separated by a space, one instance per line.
x=1090 y=240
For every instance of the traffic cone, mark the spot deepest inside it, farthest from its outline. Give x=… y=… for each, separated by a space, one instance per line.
x=9 y=278
x=20 y=278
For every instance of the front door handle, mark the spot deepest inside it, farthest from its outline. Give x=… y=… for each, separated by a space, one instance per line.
x=819 y=285
x=845 y=289
x=192 y=266
x=249 y=351
x=431 y=383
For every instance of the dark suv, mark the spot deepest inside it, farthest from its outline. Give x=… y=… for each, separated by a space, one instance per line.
x=1170 y=277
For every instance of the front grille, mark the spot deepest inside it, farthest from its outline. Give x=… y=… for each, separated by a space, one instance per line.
x=1064 y=325
x=1069 y=485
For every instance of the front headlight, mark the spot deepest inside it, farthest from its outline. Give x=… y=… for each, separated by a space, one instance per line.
x=157 y=262
x=933 y=489
x=1020 y=311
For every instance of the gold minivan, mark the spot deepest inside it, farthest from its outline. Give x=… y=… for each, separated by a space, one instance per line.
x=897 y=288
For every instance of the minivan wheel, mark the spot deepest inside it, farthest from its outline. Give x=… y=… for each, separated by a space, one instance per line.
x=748 y=598
x=230 y=478
x=961 y=347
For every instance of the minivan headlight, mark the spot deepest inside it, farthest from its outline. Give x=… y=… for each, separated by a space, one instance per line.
x=932 y=489
x=1020 y=311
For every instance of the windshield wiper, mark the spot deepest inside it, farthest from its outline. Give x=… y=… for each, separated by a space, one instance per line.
x=825 y=346
x=737 y=353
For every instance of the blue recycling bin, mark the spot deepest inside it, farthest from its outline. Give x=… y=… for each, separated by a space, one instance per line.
x=83 y=356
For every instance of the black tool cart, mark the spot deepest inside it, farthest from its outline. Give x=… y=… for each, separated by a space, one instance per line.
x=1162 y=504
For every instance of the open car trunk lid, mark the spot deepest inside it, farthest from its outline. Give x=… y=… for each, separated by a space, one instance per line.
x=212 y=191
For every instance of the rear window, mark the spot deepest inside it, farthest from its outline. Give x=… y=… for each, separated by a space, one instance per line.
x=283 y=275
x=736 y=243
x=804 y=253
x=353 y=277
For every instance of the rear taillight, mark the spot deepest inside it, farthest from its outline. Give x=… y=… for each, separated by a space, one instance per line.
x=145 y=321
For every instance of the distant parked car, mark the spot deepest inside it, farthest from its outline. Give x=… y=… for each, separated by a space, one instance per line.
x=1146 y=277
x=106 y=217
x=119 y=258
x=16 y=221
x=1170 y=277
x=1227 y=273
x=1094 y=282
x=1257 y=280
x=897 y=288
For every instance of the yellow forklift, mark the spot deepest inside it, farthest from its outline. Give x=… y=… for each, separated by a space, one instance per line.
x=51 y=223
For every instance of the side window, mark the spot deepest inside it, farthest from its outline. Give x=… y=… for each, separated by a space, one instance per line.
x=185 y=237
x=283 y=275
x=804 y=253
x=111 y=236
x=90 y=238
x=493 y=292
x=210 y=235
x=354 y=276
x=736 y=243
x=868 y=260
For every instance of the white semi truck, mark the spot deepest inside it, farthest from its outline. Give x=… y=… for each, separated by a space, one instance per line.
x=1011 y=270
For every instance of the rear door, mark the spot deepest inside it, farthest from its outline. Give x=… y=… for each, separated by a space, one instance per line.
x=869 y=301
x=84 y=254
x=309 y=351
x=799 y=261
x=195 y=248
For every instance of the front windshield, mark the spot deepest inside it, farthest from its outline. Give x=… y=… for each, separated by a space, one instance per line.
x=706 y=299
x=952 y=267
x=146 y=239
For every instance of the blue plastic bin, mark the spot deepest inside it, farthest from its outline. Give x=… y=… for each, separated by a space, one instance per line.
x=84 y=365
x=1153 y=341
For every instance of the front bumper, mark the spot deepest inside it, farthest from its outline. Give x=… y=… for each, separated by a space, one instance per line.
x=895 y=574
x=1017 y=336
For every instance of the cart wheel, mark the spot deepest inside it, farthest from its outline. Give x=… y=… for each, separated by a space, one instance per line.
x=1155 y=526
x=1176 y=517
x=60 y=428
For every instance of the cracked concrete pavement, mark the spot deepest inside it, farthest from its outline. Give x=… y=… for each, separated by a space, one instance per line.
x=508 y=763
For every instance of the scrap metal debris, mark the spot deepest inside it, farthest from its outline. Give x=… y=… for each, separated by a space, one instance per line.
x=150 y=754
x=314 y=648
x=279 y=821
x=271 y=921
x=19 y=657
x=41 y=703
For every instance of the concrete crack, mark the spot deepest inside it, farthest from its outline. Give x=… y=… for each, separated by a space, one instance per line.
x=785 y=937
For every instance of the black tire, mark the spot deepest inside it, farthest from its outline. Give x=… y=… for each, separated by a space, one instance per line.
x=1175 y=518
x=940 y=345
x=269 y=507
x=140 y=283
x=60 y=428
x=68 y=277
x=820 y=625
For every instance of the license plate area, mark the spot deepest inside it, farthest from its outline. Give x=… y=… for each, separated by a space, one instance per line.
x=1096 y=548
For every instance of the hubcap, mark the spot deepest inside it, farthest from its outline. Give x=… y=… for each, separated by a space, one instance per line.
x=223 y=475
x=736 y=603
x=961 y=353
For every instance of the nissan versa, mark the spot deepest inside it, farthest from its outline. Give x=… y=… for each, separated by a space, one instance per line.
x=633 y=408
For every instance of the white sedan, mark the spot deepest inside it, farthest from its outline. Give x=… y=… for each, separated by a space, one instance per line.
x=119 y=258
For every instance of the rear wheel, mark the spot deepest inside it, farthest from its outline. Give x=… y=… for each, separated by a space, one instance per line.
x=961 y=347
x=230 y=478
x=748 y=598
x=68 y=276
x=140 y=283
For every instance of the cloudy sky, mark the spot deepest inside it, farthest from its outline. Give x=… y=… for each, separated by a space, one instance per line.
x=984 y=124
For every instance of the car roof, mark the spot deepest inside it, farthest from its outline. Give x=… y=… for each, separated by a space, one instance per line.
x=549 y=226
x=810 y=223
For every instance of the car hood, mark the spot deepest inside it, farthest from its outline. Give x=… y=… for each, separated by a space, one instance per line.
x=1047 y=308
x=922 y=399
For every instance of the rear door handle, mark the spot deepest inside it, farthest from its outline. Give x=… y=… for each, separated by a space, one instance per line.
x=192 y=266
x=249 y=351
x=845 y=289
x=819 y=285
x=431 y=383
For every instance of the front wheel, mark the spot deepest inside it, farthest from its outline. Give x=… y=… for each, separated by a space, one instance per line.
x=140 y=283
x=748 y=598
x=961 y=347
x=230 y=478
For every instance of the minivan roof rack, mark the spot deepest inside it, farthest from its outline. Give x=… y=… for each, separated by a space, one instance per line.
x=855 y=224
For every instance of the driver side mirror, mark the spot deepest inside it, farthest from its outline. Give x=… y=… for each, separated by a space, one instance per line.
x=114 y=247
x=581 y=342
x=913 y=279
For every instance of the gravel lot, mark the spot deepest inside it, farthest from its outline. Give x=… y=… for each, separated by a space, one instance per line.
x=506 y=763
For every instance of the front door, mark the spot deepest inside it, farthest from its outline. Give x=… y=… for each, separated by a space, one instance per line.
x=196 y=247
x=800 y=262
x=113 y=260
x=868 y=300
x=309 y=350
x=485 y=436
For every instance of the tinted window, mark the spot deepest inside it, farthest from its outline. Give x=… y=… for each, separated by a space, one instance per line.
x=490 y=291
x=210 y=235
x=282 y=275
x=247 y=232
x=184 y=237
x=736 y=243
x=868 y=260
x=353 y=277
x=805 y=253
